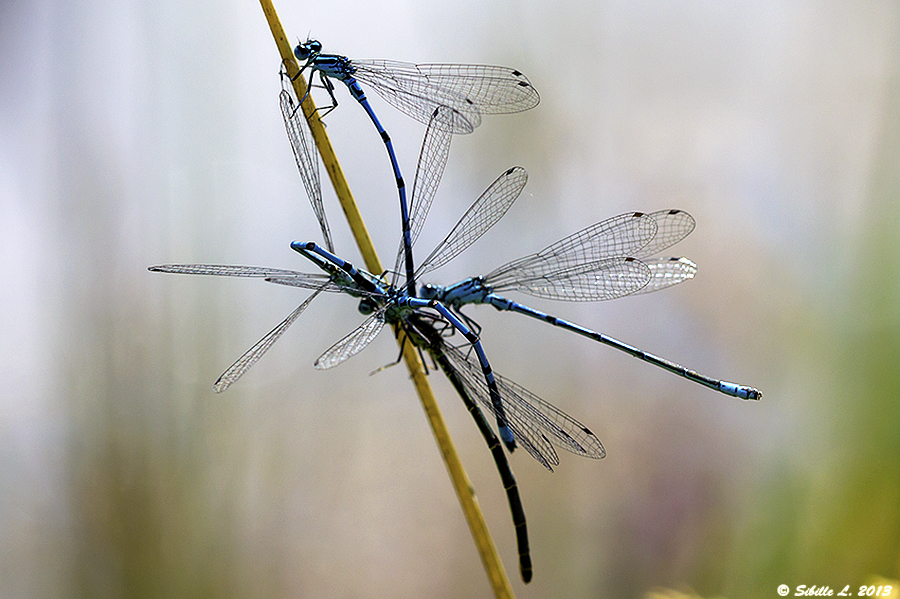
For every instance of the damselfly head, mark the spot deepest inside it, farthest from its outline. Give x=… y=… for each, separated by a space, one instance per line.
x=307 y=49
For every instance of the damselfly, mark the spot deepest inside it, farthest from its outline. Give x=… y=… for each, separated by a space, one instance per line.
x=521 y=416
x=610 y=259
x=464 y=92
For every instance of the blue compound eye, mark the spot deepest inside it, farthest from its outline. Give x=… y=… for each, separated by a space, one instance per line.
x=308 y=48
x=366 y=306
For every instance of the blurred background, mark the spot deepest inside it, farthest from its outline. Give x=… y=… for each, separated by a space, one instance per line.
x=136 y=133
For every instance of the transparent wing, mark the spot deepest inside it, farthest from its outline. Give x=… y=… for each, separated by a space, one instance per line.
x=530 y=438
x=533 y=421
x=350 y=287
x=432 y=160
x=304 y=153
x=619 y=236
x=480 y=217
x=353 y=343
x=665 y=272
x=250 y=357
x=224 y=270
x=592 y=281
x=472 y=90
x=565 y=432
x=671 y=227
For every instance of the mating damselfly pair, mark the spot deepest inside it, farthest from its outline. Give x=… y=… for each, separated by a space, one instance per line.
x=614 y=258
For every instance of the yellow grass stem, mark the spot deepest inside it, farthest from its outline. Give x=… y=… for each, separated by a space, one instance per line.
x=464 y=491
